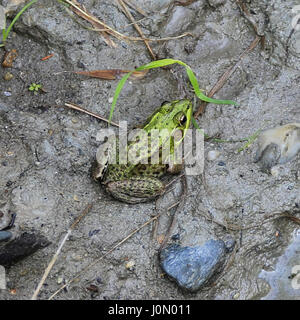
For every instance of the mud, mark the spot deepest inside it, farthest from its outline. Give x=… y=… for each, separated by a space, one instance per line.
x=46 y=150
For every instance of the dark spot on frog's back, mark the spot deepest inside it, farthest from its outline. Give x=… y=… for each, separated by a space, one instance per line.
x=143 y=167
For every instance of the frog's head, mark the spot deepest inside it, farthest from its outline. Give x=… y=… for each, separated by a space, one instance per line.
x=171 y=115
x=172 y=120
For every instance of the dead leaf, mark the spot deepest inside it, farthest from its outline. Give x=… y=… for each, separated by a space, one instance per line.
x=135 y=7
x=112 y=74
x=47 y=57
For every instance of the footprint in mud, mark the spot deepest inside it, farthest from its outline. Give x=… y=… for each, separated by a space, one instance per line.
x=278 y=145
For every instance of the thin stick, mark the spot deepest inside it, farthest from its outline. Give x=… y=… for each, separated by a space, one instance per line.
x=138 y=29
x=119 y=35
x=136 y=8
x=75 y=107
x=54 y=258
x=102 y=257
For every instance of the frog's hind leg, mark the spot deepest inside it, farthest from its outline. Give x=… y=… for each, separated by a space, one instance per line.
x=136 y=189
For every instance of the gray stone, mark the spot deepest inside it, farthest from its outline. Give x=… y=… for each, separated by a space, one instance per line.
x=193 y=267
x=21 y=247
x=5 y=235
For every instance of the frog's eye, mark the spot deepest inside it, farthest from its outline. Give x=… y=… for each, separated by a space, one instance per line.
x=182 y=120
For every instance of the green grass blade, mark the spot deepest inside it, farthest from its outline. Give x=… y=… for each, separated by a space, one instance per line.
x=6 y=32
x=117 y=93
x=198 y=92
x=163 y=63
x=251 y=139
x=158 y=64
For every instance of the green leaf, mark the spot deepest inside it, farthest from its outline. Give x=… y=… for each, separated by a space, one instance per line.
x=117 y=93
x=251 y=139
x=163 y=63
x=6 y=31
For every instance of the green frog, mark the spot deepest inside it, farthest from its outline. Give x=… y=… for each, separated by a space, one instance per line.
x=138 y=180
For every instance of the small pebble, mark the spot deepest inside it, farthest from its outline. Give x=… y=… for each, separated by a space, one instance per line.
x=8 y=76
x=60 y=280
x=77 y=257
x=221 y=164
x=130 y=264
x=7 y=93
x=176 y=237
x=13 y=291
x=160 y=238
x=213 y=155
x=99 y=280
x=110 y=100
x=236 y=296
x=274 y=171
x=229 y=243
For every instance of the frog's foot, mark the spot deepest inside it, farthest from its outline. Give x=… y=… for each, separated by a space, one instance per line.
x=136 y=189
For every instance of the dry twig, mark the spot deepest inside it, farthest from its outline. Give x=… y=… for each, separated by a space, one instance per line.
x=102 y=257
x=136 y=8
x=138 y=29
x=75 y=107
x=99 y=24
x=54 y=258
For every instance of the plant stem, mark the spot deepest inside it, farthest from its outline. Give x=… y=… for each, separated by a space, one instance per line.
x=6 y=31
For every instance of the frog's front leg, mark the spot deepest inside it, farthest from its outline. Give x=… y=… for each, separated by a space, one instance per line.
x=135 y=189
